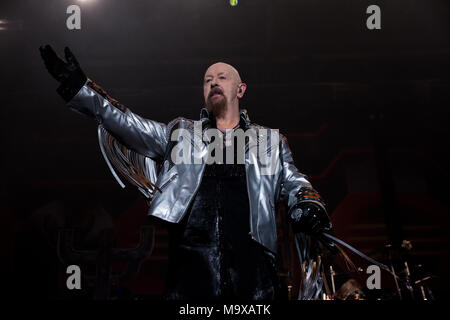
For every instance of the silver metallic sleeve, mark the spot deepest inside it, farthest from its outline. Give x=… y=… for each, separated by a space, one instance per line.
x=292 y=180
x=147 y=137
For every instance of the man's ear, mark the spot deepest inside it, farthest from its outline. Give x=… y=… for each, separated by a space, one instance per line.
x=242 y=87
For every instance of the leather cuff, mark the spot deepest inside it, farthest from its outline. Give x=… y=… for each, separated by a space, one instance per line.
x=309 y=195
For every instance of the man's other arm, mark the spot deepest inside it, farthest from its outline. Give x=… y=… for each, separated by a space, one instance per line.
x=144 y=136
x=307 y=211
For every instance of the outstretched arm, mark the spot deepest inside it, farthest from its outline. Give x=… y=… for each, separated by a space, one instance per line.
x=145 y=136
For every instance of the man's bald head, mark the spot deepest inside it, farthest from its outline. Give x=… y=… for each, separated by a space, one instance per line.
x=224 y=67
x=222 y=87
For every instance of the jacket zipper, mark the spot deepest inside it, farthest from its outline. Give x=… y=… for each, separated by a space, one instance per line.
x=168 y=181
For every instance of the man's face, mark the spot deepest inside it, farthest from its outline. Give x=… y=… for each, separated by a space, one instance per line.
x=220 y=86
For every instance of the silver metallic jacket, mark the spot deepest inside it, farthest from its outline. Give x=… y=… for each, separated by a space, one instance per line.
x=133 y=145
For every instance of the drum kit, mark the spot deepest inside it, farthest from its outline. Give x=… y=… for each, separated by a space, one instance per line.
x=393 y=273
x=409 y=281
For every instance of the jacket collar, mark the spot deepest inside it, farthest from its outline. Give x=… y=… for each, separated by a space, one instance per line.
x=244 y=120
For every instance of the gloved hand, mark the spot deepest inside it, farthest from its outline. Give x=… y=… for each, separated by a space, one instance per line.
x=68 y=72
x=310 y=218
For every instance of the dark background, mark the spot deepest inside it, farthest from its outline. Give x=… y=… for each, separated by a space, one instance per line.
x=366 y=113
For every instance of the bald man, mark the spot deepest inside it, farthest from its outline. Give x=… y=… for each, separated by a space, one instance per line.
x=220 y=214
x=222 y=89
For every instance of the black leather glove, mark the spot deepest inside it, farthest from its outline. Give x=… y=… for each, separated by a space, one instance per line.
x=68 y=72
x=310 y=218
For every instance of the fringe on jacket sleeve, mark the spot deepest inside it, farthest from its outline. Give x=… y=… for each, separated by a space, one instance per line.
x=136 y=169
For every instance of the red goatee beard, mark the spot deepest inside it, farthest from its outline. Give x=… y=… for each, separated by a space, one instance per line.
x=217 y=108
